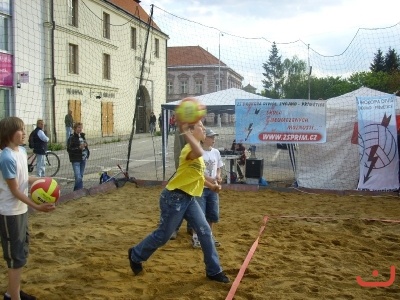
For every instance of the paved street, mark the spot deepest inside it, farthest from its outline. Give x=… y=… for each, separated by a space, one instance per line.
x=146 y=160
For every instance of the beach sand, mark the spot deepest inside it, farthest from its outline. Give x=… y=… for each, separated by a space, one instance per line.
x=79 y=251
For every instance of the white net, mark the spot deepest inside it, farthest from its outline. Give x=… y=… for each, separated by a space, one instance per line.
x=104 y=63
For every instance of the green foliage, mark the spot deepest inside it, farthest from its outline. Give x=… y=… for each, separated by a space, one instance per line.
x=114 y=140
x=295 y=85
x=379 y=62
x=157 y=133
x=392 y=61
x=274 y=74
x=290 y=79
x=55 y=146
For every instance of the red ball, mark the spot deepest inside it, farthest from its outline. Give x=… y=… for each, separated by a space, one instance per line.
x=45 y=190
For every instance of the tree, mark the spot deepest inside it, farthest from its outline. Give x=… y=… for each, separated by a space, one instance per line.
x=392 y=61
x=295 y=85
x=379 y=62
x=381 y=81
x=274 y=74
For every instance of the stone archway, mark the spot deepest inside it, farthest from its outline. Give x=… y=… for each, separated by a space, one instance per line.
x=143 y=110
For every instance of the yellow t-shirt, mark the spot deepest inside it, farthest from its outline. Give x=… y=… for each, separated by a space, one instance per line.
x=190 y=174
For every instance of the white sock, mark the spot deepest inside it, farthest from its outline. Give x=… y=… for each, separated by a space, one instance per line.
x=195 y=236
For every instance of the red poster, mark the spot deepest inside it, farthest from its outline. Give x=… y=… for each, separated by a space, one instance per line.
x=6 y=70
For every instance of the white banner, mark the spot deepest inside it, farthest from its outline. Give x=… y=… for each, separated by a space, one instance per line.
x=377 y=140
x=280 y=121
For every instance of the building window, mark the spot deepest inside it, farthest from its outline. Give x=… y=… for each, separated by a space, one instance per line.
x=73 y=12
x=106 y=66
x=106 y=25
x=73 y=59
x=4 y=33
x=199 y=87
x=184 y=87
x=157 y=47
x=4 y=103
x=170 y=87
x=133 y=38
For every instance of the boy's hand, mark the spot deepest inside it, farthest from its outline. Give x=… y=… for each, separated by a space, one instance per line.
x=216 y=188
x=46 y=207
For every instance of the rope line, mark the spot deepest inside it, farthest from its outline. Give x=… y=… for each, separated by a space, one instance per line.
x=246 y=262
x=253 y=248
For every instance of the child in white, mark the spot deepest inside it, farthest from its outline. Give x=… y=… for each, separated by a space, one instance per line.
x=209 y=201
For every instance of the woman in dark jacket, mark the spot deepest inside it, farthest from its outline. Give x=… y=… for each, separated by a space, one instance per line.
x=78 y=154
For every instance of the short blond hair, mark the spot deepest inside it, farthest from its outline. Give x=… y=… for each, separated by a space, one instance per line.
x=77 y=124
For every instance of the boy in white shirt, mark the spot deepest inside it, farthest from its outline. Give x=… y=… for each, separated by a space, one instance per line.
x=209 y=201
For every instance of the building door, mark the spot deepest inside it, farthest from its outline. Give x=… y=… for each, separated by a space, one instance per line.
x=141 y=124
x=75 y=106
x=144 y=108
x=107 y=118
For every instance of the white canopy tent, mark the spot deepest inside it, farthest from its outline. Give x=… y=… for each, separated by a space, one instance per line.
x=217 y=102
x=335 y=164
x=221 y=101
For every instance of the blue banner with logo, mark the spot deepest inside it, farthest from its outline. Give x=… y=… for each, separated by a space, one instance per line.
x=280 y=121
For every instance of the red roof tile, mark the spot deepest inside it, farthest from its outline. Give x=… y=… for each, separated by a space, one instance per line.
x=133 y=8
x=190 y=56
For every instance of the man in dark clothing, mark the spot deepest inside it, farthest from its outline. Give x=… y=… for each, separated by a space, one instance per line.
x=69 y=122
x=152 y=123
x=40 y=141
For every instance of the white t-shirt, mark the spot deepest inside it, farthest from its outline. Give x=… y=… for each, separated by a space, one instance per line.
x=13 y=164
x=213 y=161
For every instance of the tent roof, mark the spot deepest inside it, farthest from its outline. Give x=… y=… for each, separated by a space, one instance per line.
x=347 y=101
x=219 y=101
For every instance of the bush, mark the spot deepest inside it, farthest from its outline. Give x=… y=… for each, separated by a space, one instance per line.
x=55 y=147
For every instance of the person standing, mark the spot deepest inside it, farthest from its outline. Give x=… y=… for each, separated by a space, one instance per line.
x=177 y=202
x=152 y=123
x=78 y=152
x=14 y=202
x=209 y=200
x=40 y=141
x=160 y=122
x=69 y=123
x=172 y=125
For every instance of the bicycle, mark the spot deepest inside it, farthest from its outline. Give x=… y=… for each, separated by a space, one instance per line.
x=52 y=163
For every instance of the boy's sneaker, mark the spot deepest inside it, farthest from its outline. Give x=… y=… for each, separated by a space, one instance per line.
x=136 y=267
x=195 y=242
x=174 y=235
x=22 y=295
x=220 y=277
x=216 y=243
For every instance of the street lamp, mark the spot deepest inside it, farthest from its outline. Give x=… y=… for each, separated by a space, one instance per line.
x=219 y=60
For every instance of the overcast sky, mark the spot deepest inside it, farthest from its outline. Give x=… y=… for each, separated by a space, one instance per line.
x=327 y=25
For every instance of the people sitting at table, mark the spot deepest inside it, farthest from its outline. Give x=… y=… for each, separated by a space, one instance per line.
x=240 y=150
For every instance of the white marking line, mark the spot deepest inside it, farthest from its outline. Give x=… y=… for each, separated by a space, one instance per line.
x=276 y=155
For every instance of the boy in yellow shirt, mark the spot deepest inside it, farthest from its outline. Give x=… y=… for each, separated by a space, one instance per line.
x=177 y=202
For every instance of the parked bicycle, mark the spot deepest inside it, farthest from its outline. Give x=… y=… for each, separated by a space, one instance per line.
x=52 y=163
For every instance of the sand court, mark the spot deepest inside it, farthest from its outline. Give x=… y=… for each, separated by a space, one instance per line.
x=313 y=247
